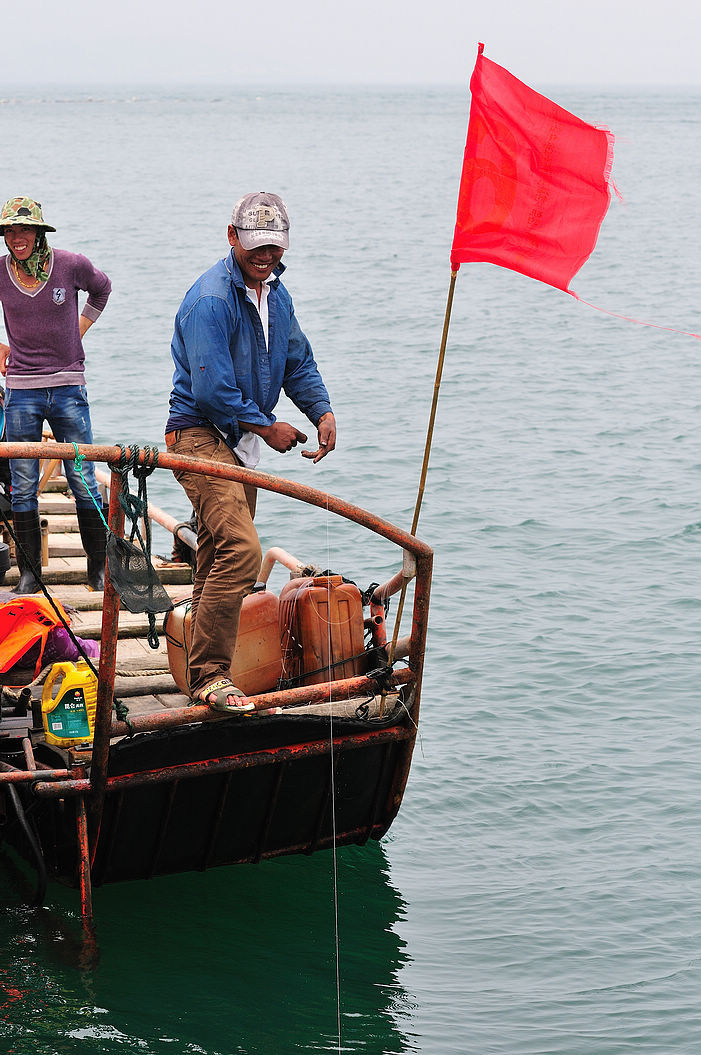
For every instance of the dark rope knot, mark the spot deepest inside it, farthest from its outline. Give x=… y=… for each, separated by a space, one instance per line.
x=382 y=676
x=122 y=712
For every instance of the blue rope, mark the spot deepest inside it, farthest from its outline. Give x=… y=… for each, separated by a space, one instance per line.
x=79 y=459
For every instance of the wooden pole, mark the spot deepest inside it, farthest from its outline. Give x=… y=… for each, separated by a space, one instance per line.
x=427 y=450
x=105 y=683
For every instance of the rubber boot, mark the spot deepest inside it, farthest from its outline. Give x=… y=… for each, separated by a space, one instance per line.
x=28 y=532
x=93 y=534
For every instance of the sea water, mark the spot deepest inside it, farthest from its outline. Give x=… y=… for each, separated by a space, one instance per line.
x=540 y=890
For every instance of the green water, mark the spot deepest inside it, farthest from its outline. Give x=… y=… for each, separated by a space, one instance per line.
x=235 y=960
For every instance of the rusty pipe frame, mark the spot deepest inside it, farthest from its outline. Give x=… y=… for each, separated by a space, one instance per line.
x=281 y=556
x=389 y=588
x=112 y=455
x=229 y=763
x=278 y=484
x=325 y=692
x=84 y=861
x=22 y=776
x=106 y=676
x=417 y=651
x=29 y=759
x=295 y=566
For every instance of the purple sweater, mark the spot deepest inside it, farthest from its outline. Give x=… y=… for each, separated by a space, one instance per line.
x=42 y=325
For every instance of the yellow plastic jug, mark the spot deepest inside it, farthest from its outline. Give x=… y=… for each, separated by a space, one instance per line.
x=68 y=705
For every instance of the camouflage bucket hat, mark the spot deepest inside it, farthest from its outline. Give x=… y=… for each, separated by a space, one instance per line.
x=22 y=211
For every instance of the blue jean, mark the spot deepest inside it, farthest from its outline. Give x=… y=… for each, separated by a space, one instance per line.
x=67 y=412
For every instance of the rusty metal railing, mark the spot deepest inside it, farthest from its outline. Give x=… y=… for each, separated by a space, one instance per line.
x=94 y=789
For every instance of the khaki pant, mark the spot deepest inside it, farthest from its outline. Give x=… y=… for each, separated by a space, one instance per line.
x=228 y=554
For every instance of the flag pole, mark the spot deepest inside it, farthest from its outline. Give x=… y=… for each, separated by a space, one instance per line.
x=427 y=455
x=434 y=404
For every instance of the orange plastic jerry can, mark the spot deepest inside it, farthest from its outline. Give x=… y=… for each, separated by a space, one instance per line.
x=256 y=665
x=321 y=629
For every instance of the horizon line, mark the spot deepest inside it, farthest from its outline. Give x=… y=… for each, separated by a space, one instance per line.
x=96 y=85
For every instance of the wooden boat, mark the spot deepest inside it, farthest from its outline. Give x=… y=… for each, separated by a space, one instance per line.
x=323 y=761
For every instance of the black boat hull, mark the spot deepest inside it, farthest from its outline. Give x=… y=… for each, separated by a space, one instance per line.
x=230 y=792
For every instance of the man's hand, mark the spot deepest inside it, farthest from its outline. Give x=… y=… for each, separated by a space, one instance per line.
x=281 y=436
x=326 y=431
x=4 y=356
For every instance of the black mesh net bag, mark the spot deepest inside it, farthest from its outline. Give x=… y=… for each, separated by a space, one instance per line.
x=130 y=569
x=134 y=578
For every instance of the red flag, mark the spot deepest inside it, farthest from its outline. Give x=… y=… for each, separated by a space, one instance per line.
x=535 y=181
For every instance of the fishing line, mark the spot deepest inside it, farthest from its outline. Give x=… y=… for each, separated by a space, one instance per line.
x=418 y=733
x=337 y=944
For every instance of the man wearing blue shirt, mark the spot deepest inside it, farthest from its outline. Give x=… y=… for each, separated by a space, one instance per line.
x=236 y=345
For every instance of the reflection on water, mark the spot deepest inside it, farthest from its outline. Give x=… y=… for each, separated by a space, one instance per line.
x=236 y=960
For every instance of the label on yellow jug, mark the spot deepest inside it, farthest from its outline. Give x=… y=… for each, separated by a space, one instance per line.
x=69 y=715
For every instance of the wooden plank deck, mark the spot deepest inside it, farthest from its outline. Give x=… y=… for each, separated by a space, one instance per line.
x=143 y=680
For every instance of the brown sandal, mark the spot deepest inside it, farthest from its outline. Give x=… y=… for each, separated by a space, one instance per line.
x=222 y=689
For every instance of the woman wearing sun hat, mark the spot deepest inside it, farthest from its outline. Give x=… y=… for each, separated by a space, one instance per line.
x=44 y=365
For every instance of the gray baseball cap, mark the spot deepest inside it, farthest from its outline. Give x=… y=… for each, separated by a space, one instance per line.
x=261 y=218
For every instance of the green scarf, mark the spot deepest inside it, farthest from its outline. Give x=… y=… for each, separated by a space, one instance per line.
x=35 y=266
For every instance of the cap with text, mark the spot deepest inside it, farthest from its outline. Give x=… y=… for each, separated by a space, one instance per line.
x=261 y=219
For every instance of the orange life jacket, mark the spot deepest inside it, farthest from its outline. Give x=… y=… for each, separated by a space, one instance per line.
x=23 y=622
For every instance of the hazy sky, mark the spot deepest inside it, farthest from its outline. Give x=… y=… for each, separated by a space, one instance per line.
x=357 y=42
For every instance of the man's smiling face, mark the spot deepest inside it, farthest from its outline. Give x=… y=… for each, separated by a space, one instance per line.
x=257 y=265
x=20 y=239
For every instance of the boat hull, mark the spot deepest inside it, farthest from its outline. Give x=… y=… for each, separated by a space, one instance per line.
x=175 y=786
x=235 y=791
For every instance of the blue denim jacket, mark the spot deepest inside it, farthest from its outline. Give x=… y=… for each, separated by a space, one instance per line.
x=223 y=372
